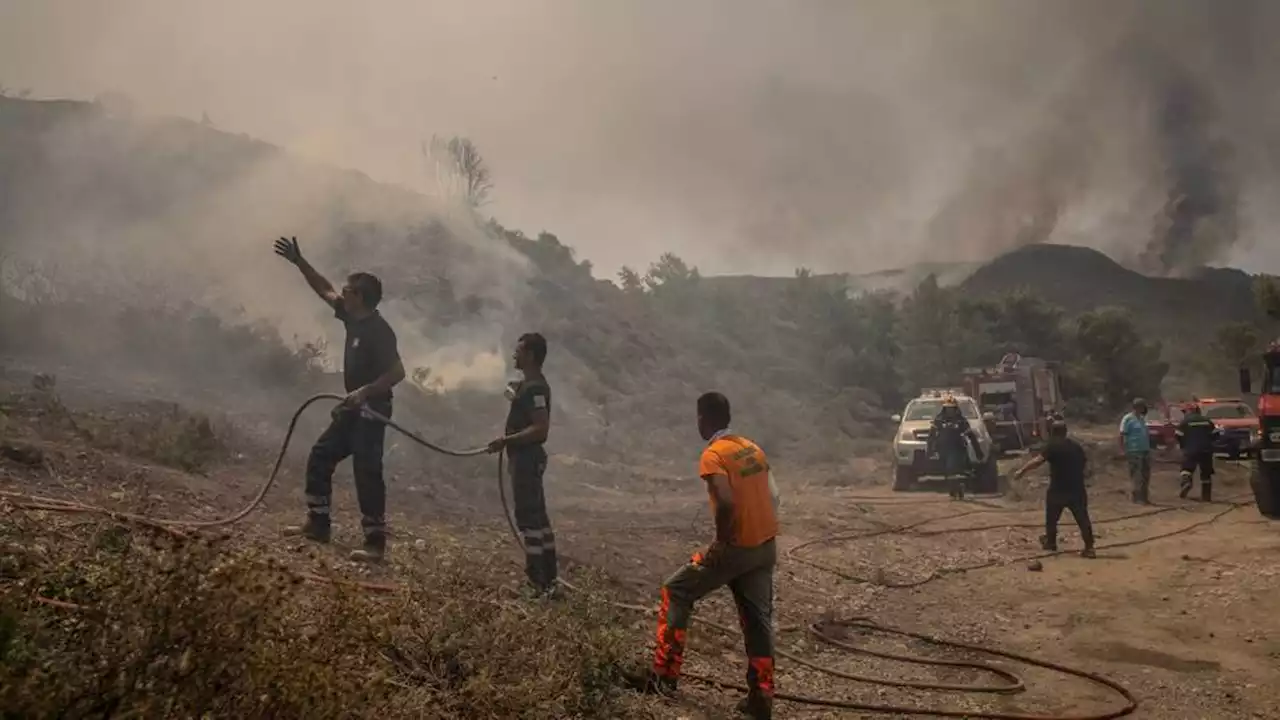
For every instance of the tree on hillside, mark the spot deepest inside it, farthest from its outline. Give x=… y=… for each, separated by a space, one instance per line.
x=873 y=360
x=630 y=280
x=1267 y=289
x=1020 y=322
x=929 y=337
x=1123 y=364
x=670 y=273
x=1238 y=344
x=460 y=168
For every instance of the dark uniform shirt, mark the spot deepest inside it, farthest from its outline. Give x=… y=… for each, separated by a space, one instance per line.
x=950 y=433
x=1067 y=462
x=1195 y=433
x=370 y=350
x=530 y=395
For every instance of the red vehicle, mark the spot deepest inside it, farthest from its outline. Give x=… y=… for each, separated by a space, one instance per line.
x=1239 y=425
x=1162 y=425
x=1237 y=420
x=1266 y=477
x=1015 y=398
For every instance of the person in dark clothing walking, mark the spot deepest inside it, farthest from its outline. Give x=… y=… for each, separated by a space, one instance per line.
x=951 y=436
x=528 y=423
x=1067 y=468
x=1196 y=434
x=371 y=366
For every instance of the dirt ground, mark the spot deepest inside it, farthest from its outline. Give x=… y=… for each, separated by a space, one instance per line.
x=1186 y=621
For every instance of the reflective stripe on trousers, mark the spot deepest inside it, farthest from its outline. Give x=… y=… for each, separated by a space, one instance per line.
x=748 y=572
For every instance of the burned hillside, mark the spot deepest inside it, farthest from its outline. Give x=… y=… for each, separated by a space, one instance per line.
x=1078 y=279
x=141 y=247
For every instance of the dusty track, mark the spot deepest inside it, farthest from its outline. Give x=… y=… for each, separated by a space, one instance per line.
x=1184 y=621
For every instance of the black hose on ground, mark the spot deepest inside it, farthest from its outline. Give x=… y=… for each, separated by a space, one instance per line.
x=820 y=630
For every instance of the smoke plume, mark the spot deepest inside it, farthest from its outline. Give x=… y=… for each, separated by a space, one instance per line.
x=745 y=136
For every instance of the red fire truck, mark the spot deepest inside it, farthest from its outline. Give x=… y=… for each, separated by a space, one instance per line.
x=1016 y=397
x=1266 y=475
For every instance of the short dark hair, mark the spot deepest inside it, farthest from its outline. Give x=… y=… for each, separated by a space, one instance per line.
x=368 y=286
x=1058 y=429
x=536 y=344
x=714 y=408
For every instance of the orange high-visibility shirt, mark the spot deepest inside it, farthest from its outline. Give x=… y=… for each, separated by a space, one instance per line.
x=745 y=464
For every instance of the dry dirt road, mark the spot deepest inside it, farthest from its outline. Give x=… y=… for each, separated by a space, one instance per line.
x=1179 y=607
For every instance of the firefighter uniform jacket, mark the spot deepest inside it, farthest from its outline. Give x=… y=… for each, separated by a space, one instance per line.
x=1196 y=434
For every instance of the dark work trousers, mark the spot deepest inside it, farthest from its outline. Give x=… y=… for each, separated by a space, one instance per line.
x=361 y=438
x=749 y=574
x=526 y=467
x=955 y=465
x=1078 y=504
x=1202 y=461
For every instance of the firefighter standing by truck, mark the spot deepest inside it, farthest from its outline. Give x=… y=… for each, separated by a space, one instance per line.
x=1196 y=434
x=955 y=442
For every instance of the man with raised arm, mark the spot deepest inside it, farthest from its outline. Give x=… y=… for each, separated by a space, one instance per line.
x=371 y=366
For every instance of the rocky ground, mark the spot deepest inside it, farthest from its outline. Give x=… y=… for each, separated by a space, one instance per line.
x=1178 y=608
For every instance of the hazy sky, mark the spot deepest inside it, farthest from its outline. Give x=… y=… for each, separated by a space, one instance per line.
x=745 y=135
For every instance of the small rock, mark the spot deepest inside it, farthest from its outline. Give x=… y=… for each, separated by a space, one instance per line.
x=420 y=544
x=1035 y=566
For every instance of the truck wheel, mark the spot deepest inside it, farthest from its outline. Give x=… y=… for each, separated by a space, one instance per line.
x=904 y=478
x=1233 y=452
x=987 y=480
x=1265 y=480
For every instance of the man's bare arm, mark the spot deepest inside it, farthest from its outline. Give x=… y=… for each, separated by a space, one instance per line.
x=319 y=283
x=287 y=248
x=1035 y=462
x=724 y=507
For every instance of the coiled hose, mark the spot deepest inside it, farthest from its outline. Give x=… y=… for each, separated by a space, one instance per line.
x=822 y=630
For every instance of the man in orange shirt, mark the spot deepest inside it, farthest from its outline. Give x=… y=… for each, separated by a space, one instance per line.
x=743 y=555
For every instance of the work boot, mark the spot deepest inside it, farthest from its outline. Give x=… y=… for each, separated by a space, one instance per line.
x=1047 y=544
x=374 y=550
x=1186 y=486
x=756 y=706
x=1206 y=492
x=1088 y=553
x=316 y=529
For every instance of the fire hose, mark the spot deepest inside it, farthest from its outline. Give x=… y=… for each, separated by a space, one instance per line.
x=821 y=630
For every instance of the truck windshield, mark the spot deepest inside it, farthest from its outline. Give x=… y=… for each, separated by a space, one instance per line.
x=920 y=410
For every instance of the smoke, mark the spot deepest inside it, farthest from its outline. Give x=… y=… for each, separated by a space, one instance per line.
x=107 y=210
x=745 y=136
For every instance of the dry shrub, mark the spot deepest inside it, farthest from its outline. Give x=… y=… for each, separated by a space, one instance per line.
x=170 y=436
x=164 y=433
x=205 y=628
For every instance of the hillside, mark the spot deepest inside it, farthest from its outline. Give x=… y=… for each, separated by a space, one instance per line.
x=141 y=247
x=138 y=249
x=1080 y=279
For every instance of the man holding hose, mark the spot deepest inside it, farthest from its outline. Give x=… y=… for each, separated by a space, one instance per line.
x=742 y=556
x=371 y=366
x=523 y=438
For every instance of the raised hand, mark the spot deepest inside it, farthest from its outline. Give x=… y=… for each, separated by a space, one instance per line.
x=287 y=248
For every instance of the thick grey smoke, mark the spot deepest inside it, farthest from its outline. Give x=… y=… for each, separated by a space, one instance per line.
x=745 y=136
